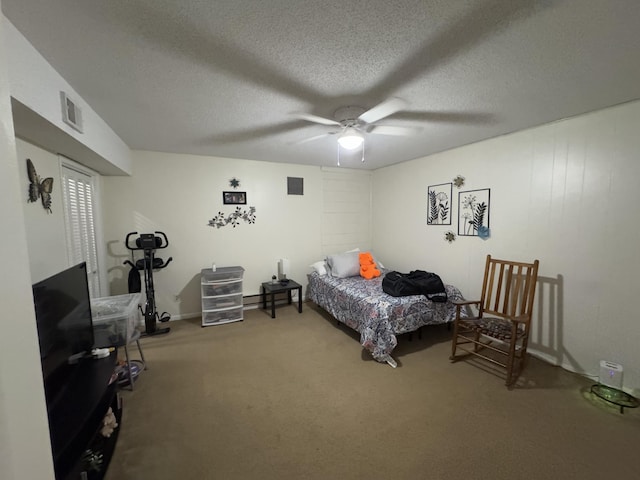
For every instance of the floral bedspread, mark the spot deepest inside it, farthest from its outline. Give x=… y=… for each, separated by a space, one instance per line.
x=378 y=317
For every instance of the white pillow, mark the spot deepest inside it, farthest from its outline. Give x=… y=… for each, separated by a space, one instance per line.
x=328 y=265
x=320 y=267
x=343 y=265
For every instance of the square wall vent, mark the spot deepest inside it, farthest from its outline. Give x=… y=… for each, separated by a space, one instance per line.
x=71 y=113
x=295 y=186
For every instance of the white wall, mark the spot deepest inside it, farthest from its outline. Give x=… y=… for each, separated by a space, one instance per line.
x=35 y=84
x=346 y=210
x=28 y=78
x=46 y=232
x=25 y=450
x=46 y=236
x=565 y=193
x=179 y=194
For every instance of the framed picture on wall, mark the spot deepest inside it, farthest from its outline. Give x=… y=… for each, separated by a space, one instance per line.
x=439 y=204
x=473 y=211
x=234 y=198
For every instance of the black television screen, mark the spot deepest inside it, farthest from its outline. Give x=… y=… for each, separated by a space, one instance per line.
x=65 y=327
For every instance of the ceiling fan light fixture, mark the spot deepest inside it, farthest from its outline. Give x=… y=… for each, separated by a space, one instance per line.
x=350 y=139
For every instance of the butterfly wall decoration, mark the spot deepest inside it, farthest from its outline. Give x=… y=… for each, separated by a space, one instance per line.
x=39 y=188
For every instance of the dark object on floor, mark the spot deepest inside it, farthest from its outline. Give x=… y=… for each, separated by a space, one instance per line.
x=615 y=396
x=129 y=371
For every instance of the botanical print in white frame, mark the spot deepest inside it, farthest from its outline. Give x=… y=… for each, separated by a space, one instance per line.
x=439 y=204
x=473 y=211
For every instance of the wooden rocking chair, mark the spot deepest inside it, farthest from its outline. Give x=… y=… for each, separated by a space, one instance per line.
x=499 y=333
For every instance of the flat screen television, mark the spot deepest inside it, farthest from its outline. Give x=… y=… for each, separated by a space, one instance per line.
x=65 y=327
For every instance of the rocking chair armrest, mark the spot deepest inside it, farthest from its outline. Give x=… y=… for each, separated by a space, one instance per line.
x=465 y=302
x=460 y=304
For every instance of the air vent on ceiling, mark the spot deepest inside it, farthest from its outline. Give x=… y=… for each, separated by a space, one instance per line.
x=71 y=113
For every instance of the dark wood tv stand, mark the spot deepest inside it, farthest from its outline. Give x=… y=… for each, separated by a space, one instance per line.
x=75 y=419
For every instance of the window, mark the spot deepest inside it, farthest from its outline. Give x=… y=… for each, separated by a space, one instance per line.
x=78 y=193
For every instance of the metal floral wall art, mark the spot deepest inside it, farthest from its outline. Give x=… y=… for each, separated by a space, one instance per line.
x=473 y=212
x=439 y=204
x=234 y=182
x=234 y=218
x=39 y=188
x=450 y=236
x=459 y=181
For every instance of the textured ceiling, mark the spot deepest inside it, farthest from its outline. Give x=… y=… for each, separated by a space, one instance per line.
x=224 y=78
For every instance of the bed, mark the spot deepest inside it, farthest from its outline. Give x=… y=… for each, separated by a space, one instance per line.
x=363 y=306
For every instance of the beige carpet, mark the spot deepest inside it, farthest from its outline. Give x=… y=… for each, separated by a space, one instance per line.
x=296 y=397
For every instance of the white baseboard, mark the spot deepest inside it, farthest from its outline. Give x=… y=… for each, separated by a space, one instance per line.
x=185 y=316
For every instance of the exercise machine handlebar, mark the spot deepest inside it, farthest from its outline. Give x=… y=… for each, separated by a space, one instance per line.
x=147 y=241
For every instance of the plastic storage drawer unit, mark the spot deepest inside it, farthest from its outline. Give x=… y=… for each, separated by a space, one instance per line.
x=222 y=288
x=222 y=274
x=221 y=301
x=221 y=293
x=218 y=317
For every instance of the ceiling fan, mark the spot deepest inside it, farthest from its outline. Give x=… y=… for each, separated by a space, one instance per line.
x=355 y=121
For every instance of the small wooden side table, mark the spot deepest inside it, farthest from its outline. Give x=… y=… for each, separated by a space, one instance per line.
x=273 y=288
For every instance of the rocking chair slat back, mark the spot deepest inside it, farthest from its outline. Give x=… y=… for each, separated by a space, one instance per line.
x=508 y=288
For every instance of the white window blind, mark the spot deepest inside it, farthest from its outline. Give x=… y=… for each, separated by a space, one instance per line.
x=78 y=198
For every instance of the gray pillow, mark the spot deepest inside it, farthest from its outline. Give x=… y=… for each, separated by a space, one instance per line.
x=343 y=265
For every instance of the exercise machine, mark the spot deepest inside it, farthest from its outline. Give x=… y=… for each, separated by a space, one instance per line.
x=148 y=243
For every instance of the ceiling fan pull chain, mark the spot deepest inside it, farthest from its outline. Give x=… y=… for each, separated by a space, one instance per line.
x=338 y=154
x=363 y=149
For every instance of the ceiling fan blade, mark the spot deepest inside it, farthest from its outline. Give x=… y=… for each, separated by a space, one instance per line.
x=391 y=130
x=311 y=139
x=316 y=119
x=384 y=109
x=468 y=118
x=480 y=22
x=255 y=133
